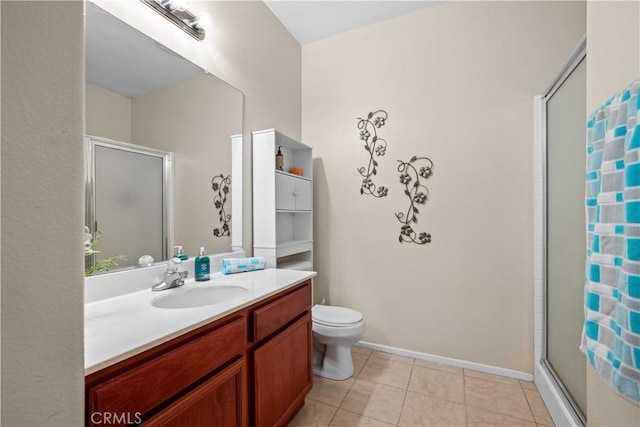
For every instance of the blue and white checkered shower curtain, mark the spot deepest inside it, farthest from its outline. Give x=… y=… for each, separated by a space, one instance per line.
x=611 y=335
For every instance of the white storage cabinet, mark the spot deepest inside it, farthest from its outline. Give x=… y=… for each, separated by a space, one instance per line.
x=282 y=202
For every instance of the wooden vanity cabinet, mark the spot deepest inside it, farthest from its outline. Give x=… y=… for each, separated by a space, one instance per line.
x=282 y=364
x=137 y=388
x=252 y=367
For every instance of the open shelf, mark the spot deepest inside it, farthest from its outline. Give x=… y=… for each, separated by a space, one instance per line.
x=293 y=175
x=291 y=247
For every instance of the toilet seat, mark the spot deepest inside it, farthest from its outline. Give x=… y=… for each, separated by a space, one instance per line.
x=335 y=316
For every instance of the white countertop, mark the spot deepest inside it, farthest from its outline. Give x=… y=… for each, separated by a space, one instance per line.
x=122 y=326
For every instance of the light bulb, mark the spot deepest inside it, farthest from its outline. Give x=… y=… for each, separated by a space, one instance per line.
x=203 y=20
x=179 y=4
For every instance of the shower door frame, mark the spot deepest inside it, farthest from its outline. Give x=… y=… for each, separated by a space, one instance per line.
x=561 y=406
x=167 y=184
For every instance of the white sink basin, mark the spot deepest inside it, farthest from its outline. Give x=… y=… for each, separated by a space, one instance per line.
x=200 y=296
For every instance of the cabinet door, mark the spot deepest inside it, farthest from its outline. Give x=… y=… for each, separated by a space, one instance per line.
x=303 y=195
x=283 y=374
x=220 y=401
x=285 y=192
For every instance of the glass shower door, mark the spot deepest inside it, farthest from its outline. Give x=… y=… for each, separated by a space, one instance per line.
x=566 y=233
x=128 y=201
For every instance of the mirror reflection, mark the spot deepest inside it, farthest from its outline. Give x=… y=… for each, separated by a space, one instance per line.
x=159 y=137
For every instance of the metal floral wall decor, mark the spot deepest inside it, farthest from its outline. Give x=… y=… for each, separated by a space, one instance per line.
x=376 y=147
x=220 y=185
x=411 y=173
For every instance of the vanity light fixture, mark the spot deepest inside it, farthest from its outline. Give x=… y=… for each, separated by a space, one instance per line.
x=176 y=12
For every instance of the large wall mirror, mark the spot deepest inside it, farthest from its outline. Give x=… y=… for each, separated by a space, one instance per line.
x=159 y=131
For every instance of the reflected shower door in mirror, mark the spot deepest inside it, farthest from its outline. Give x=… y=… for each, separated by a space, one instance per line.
x=130 y=187
x=142 y=94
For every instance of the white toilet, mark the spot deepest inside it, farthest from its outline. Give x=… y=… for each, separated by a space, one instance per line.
x=335 y=330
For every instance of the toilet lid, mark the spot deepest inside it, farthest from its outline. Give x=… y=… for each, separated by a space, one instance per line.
x=335 y=316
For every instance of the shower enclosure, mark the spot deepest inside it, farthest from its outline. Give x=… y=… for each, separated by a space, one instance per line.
x=128 y=200
x=561 y=232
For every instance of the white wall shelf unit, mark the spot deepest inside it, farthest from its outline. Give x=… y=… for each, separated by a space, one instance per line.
x=282 y=202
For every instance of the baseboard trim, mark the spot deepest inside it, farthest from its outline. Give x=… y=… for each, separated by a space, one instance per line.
x=449 y=361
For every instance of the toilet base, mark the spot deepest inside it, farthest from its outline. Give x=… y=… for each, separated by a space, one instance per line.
x=332 y=361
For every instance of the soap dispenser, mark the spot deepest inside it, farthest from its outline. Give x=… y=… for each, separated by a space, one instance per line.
x=202 y=264
x=180 y=253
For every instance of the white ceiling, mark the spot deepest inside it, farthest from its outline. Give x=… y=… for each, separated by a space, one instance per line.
x=311 y=20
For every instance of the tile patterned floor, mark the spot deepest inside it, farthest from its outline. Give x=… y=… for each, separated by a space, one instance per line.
x=391 y=390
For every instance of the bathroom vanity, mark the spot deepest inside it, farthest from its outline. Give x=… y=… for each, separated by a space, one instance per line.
x=245 y=361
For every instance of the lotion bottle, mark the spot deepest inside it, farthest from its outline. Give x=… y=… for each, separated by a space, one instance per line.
x=202 y=266
x=280 y=159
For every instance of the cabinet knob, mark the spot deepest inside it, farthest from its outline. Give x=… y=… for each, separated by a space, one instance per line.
x=296 y=194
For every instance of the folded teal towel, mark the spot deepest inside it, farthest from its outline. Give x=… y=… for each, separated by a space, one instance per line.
x=240 y=265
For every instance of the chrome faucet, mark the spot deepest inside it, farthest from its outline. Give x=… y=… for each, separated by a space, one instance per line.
x=173 y=277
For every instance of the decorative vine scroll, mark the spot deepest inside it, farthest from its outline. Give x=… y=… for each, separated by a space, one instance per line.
x=410 y=174
x=376 y=147
x=220 y=184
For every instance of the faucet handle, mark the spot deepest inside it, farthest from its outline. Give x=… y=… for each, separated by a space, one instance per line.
x=173 y=265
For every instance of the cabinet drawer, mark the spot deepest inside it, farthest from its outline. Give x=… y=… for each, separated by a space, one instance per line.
x=278 y=313
x=144 y=387
x=220 y=401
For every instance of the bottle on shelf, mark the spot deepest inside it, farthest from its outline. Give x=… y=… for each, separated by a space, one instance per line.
x=279 y=159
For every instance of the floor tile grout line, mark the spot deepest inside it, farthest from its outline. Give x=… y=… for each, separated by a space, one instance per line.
x=466 y=415
x=339 y=407
x=502 y=384
x=374 y=382
x=345 y=395
x=348 y=391
x=384 y=384
x=362 y=367
x=430 y=396
x=333 y=416
x=495 y=412
x=436 y=397
x=502 y=413
x=365 y=416
x=464 y=388
x=464 y=393
x=526 y=398
x=406 y=392
x=510 y=383
x=531 y=408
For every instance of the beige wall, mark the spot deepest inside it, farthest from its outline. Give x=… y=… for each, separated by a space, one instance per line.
x=613 y=49
x=458 y=82
x=42 y=177
x=108 y=114
x=194 y=120
x=42 y=213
